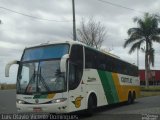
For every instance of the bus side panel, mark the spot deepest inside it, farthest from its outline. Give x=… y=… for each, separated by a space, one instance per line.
x=117 y=86
x=121 y=95
x=109 y=87
x=123 y=87
x=90 y=83
x=93 y=83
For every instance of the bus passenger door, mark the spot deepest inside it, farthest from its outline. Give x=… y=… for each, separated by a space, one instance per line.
x=76 y=93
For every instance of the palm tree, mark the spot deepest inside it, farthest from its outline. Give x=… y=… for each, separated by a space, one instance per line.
x=146 y=33
x=151 y=54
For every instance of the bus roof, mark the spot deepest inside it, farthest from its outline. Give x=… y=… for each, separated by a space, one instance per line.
x=56 y=42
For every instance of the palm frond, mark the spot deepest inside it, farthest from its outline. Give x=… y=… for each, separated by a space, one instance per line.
x=136 y=45
x=133 y=38
x=134 y=30
x=135 y=19
x=154 y=23
x=143 y=50
x=155 y=38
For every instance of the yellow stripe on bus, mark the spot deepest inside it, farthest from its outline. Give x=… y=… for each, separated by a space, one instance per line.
x=50 y=96
x=123 y=90
x=118 y=87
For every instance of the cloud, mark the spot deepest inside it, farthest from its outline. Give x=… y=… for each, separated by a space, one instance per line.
x=18 y=31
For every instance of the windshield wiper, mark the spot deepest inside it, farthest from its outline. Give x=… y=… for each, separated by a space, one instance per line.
x=32 y=78
x=39 y=78
x=42 y=80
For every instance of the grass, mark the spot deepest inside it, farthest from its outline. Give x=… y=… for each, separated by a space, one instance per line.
x=150 y=91
x=7 y=86
x=150 y=88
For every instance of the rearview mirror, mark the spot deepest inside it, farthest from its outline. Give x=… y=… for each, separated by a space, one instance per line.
x=63 y=62
x=7 y=68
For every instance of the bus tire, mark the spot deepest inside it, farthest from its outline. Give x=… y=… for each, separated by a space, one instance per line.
x=129 y=101
x=133 y=97
x=92 y=104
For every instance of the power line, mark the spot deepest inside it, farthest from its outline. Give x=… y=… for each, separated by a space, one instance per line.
x=118 y=5
x=38 y=18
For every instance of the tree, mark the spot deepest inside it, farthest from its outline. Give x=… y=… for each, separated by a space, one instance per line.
x=146 y=33
x=150 y=59
x=151 y=55
x=91 y=33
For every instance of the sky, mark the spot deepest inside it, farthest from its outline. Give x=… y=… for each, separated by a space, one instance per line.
x=55 y=23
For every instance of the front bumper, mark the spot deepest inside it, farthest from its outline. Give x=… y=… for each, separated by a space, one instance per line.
x=45 y=108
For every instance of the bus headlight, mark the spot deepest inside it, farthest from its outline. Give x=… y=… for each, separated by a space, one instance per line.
x=20 y=101
x=59 y=100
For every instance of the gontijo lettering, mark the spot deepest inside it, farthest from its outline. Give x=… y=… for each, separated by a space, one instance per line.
x=126 y=80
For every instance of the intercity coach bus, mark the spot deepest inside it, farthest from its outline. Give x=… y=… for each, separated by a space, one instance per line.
x=64 y=77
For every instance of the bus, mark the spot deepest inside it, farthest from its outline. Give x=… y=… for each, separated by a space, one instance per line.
x=69 y=76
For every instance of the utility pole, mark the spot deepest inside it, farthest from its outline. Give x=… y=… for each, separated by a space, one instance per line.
x=74 y=21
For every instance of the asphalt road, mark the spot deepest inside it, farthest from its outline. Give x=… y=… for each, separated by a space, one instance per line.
x=142 y=107
x=7 y=101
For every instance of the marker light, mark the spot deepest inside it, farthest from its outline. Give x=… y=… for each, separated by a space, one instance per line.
x=20 y=101
x=59 y=100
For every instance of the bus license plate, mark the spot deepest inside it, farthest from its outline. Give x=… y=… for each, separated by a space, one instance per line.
x=37 y=109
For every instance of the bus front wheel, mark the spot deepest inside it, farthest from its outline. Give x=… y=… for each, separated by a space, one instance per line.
x=92 y=104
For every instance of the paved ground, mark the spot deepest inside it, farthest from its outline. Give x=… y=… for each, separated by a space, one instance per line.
x=7 y=101
x=142 y=107
x=147 y=108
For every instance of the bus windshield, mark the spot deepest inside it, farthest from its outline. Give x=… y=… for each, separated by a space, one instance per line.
x=45 y=52
x=39 y=71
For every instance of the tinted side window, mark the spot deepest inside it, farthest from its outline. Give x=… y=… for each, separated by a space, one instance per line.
x=101 y=61
x=75 y=66
x=76 y=56
x=90 y=58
